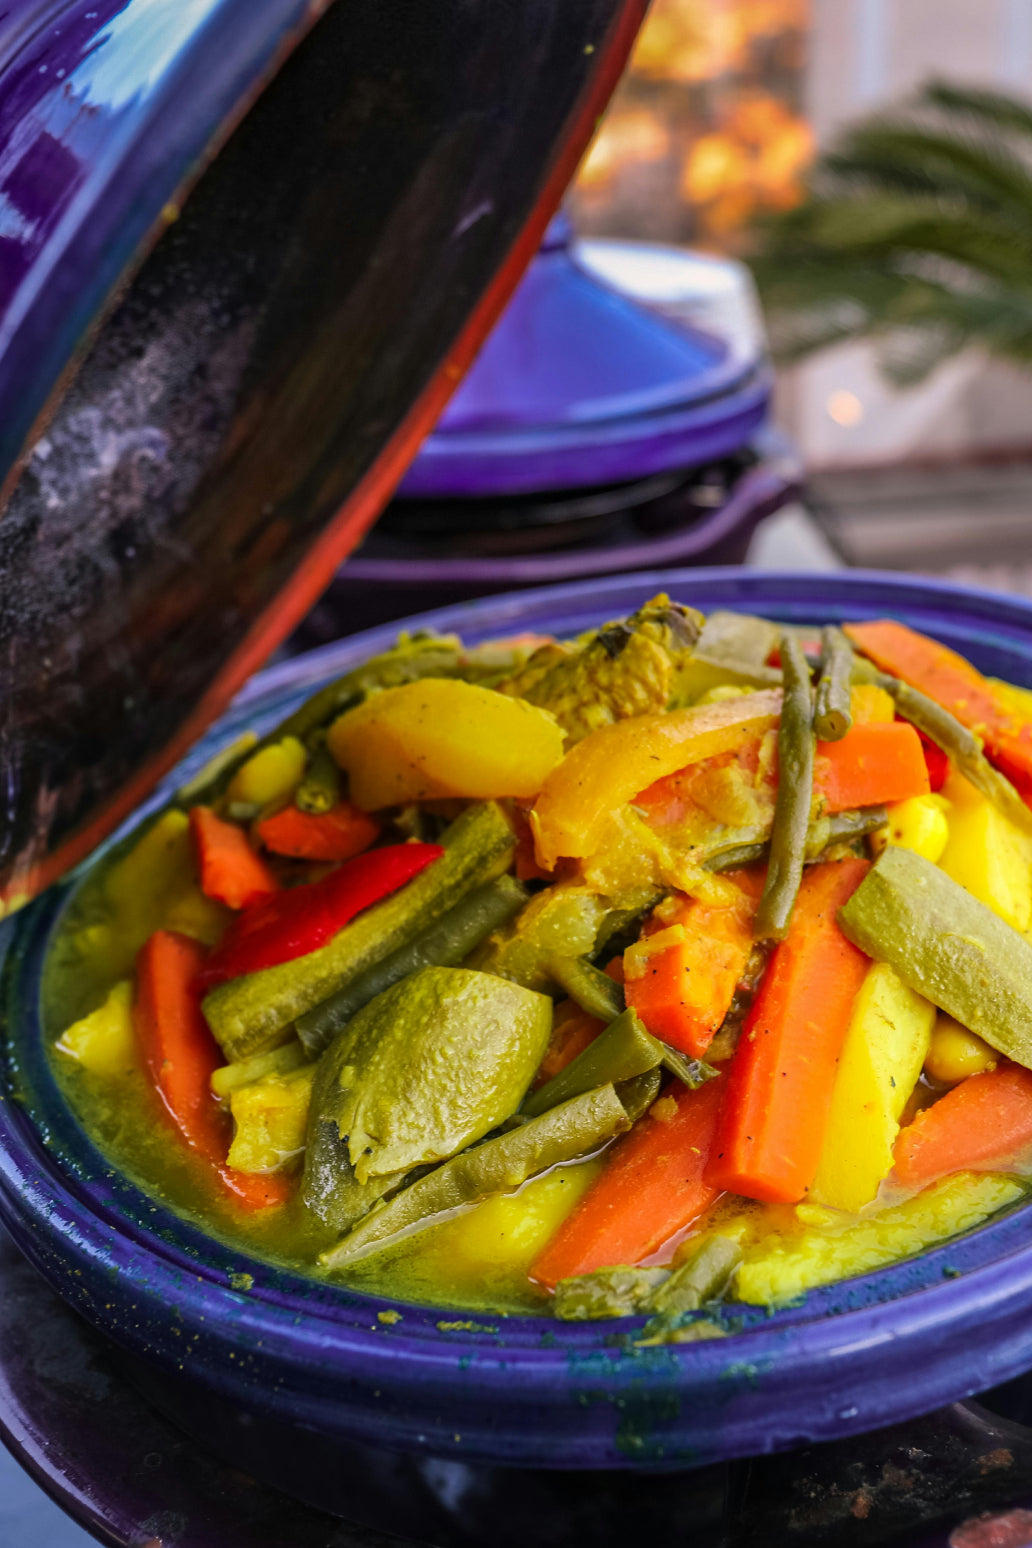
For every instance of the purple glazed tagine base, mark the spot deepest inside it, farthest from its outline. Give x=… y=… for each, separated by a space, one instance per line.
x=300 y=1355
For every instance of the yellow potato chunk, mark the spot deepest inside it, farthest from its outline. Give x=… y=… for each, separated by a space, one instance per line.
x=511 y=1229
x=784 y=1266
x=271 y=1117
x=103 y=1041
x=919 y=824
x=443 y=737
x=270 y=775
x=885 y=1047
x=868 y=703
x=954 y=1053
x=1018 y=700
x=987 y=855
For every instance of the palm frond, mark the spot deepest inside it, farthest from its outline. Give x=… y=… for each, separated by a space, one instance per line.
x=917 y=232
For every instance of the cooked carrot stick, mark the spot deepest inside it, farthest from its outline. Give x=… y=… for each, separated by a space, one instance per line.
x=979 y=1126
x=958 y=686
x=228 y=868
x=682 y=976
x=651 y=1188
x=339 y=834
x=780 y=1081
x=180 y=1055
x=873 y=765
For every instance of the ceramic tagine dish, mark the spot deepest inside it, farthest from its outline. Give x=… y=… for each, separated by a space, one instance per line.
x=184 y=470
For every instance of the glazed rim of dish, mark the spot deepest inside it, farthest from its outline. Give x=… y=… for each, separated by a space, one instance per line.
x=515 y=1388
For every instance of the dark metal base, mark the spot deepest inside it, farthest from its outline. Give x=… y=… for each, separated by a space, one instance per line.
x=960 y=1478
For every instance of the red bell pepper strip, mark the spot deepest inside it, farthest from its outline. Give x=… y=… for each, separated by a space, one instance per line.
x=301 y=919
x=180 y=1054
x=653 y=1185
x=339 y=834
x=228 y=868
x=781 y=1077
x=958 y=686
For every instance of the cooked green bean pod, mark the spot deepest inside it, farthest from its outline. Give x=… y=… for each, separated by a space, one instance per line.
x=946 y=731
x=839 y=828
x=638 y=1095
x=593 y=990
x=621 y=1052
x=607 y=1292
x=498 y=1165
x=833 y=715
x=319 y=790
x=703 y=1277
x=446 y=944
x=794 y=798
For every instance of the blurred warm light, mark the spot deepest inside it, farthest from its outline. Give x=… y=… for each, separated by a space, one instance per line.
x=845 y=408
x=630 y=136
x=709 y=110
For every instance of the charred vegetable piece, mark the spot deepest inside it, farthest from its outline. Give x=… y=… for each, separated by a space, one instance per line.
x=947 y=946
x=497 y=1166
x=796 y=751
x=444 y=737
x=703 y=1277
x=593 y=990
x=621 y=1052
x=608 y=1292
x=446 y=944
x=319 y=790
x=299 y=921
x=251 y=1014
x=833 y=714
x=431 y=1065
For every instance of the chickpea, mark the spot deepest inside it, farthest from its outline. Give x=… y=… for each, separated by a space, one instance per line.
x=954 y=1053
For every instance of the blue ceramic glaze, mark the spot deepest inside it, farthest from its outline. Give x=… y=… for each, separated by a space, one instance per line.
x=520 y=1390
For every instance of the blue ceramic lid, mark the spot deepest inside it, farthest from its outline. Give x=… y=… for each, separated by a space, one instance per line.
x=583 y=382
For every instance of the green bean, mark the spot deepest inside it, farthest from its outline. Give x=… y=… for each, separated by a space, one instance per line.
x=497 y=1165
x=703 y=1277
x=692 y=1073
x=319 y=790
x=833 y=713
x=619 y=1053
x=794 y=798
x=638 y=1095
x=446 y=944
x=608 y=1292
x=960 y=744
x=593 y=990
x=839 y=828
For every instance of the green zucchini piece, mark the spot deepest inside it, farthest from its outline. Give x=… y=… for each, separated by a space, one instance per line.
x=253 y=1013
x=947 y=946
x=497 y=1166
x=432 y=1065
x=621 y=1052
x=741 y=636
x=446 y=944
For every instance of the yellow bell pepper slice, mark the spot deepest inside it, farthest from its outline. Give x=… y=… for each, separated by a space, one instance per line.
x=444 y=737
x=987 y=855
x=784 y=1266
x=614 y=764
x=881 y=1059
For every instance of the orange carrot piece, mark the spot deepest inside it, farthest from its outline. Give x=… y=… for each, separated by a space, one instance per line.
x=686 y=990
x=652 y=1186
x=958 y=686
x=229 y=870
x=875 y=763
x=339 y=834
x=978 y=1126
x=783 y=1070
x=180 y=1054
